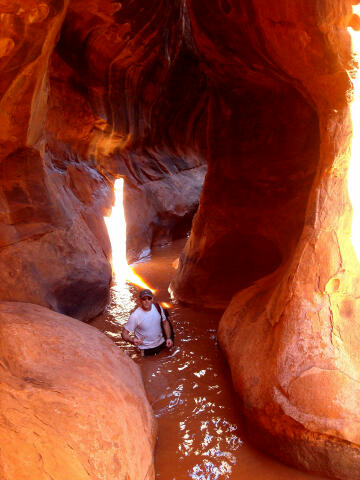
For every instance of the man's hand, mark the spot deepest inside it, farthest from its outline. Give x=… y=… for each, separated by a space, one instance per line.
x=129 y=338
x=169 y=342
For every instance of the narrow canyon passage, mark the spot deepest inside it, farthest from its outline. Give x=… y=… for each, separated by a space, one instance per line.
x=237 y=123
x=190 y=391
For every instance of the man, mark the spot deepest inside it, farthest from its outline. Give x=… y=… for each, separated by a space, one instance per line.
x=145 y=325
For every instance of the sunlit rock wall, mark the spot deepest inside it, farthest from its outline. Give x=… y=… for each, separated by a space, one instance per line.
x=123 y=100
x=51 y=253
x=291 y=331
x=73 y=406
x=128 y=96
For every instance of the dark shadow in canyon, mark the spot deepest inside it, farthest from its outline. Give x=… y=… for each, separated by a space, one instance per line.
x=263 y=155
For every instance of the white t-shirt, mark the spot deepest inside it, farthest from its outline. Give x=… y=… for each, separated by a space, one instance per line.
x=146 y=326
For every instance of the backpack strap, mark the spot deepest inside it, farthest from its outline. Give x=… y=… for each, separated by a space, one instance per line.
x=160 y=310
x=164 y=315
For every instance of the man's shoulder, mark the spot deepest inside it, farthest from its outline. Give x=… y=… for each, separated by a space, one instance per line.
x=138 y=311
x=135 y=312
x=160 y=310
x=156 y=306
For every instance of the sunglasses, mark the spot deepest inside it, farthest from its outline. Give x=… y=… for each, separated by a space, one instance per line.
x=146 y=298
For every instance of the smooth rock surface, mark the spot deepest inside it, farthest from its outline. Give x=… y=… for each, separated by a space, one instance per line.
x=290 y=332
x=262 y=162
x=275 y=122
x=73 y=405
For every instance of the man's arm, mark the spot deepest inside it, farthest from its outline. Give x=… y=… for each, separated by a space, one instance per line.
x=169 y=342
x=129 y=338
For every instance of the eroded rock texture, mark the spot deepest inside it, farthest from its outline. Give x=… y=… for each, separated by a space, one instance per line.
x=54 y=245
x=73 y=405
x=124 y=100
x=128 y=97
x=148 y=90
x=28 y=35
x=276 y=198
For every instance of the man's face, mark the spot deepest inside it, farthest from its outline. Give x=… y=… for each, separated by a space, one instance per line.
x=146 y=303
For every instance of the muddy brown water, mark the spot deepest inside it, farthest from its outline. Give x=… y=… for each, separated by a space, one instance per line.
x=199 y=426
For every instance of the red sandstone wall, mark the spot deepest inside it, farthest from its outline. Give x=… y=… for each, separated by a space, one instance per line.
x=128 y=97
x=290 y=336
x=149 y=91
x=264 y=135
x=45 y=240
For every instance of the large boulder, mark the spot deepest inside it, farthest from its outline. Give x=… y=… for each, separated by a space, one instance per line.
x=73 y=404
x=51 y=254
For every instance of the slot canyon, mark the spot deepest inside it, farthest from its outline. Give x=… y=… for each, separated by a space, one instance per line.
x=232 y=123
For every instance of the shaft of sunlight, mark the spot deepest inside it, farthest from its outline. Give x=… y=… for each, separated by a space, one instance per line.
x=116 y=227
x=354 y=169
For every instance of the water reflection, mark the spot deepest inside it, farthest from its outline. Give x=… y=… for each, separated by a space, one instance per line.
x=122 y=302
x=189 y=388
x=205 y=437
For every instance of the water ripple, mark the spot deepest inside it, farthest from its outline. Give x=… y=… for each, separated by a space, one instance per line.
x=190 y=391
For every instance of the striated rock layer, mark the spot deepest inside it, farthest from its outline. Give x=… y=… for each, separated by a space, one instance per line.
x=62 y=147
x=127 y=96
x=28 y=36
x=290 y=332
x=73 y=405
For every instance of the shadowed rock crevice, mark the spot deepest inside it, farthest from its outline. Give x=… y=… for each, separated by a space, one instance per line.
x=263 y=157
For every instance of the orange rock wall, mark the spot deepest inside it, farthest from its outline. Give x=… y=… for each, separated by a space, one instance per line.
x=29 y=33
x=128 y=97
x=149 y=91
x=54 y=243
x=290 y=331
x=254 y=137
